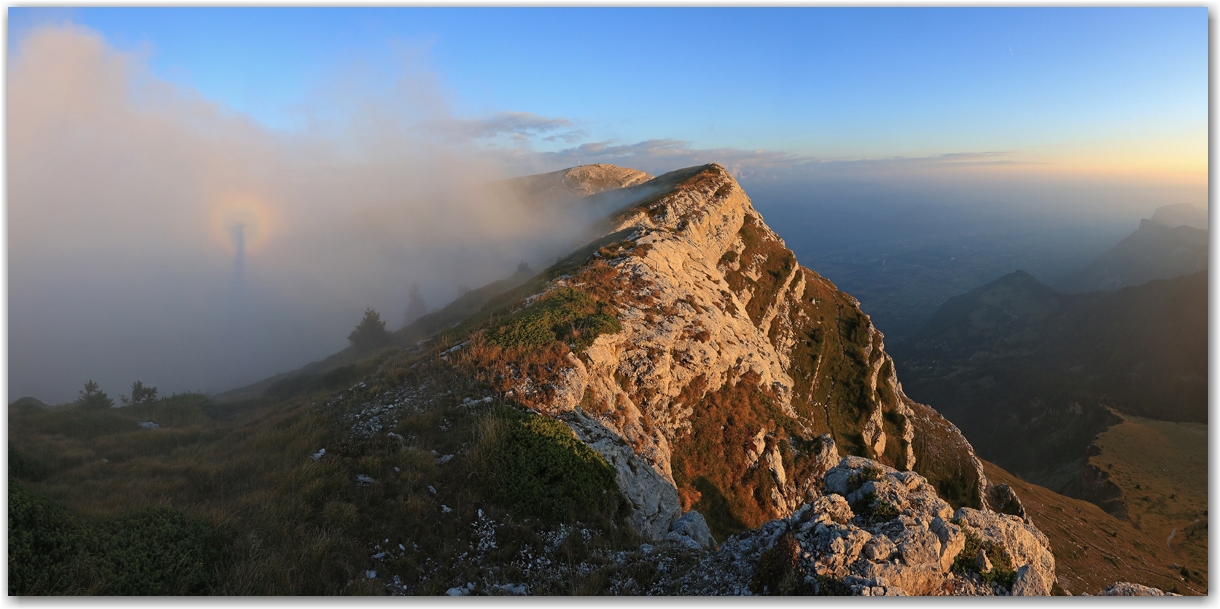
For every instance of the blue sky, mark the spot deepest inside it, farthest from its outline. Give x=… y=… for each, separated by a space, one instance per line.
x=821 y=82
x=356 y=139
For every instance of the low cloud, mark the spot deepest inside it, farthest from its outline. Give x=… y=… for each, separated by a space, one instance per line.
x=127 y=196
x=525 y=126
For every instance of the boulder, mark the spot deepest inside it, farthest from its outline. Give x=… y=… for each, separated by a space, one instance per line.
x=952 y=541
x=691 y=530
x=832 y=549
x=1130 y=589
x=1031 y=582
x=1023 y=542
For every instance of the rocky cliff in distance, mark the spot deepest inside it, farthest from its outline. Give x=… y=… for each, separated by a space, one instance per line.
x=1172 y=243
x=689 y=347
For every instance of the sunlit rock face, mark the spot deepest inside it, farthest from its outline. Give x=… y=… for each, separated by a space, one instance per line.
x=729 y=364
x=874 y=531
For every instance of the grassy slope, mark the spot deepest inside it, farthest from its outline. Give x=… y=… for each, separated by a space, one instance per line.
x=1092 y=548
x=1161 y=469
x=299 y=526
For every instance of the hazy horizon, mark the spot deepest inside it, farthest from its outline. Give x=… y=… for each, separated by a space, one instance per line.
x=131 y=162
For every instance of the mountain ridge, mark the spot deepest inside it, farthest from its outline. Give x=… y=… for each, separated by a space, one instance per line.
x=1163 y=247
x=707 y=297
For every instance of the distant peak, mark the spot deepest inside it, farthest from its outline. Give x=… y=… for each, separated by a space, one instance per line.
x=1021 y=278
x=574 y=182
x=1181 y=214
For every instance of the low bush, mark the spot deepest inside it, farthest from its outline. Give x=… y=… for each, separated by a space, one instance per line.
x=564 y=314
x=21 y=465
x=155 y=551
x=1001 y=571
x=867 y=473
x=779 y=572
x=537 y=467
x=873 y=510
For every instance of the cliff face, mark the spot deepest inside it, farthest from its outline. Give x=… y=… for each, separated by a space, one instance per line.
x=689 y=347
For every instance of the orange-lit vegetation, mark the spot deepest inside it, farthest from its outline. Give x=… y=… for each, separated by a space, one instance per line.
x=711 y=465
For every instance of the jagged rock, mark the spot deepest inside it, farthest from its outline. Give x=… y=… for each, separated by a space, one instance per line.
x=692 y=530
x=511 y=589
x=1024 y=543
x=913 y=580
x=918 y=545
x=831 y=508
x=982 y=564
x=952 y=541
x=879 y=549
x=1001 y=498
x=1030 y=582
x=1130 y=589
x=654 y=500
x=909 y=553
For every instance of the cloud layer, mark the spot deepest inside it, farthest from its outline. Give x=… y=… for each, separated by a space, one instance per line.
x=126 y=194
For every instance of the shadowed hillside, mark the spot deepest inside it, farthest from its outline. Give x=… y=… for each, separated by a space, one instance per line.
x=1029 y=373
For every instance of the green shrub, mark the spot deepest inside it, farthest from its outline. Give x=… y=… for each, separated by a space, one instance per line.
x=873 y=510
x=93 y=398
x=370 y=332
x=26 y=467
x=1001 y=571
x=26 y=405
x=829 y=586
x=867 y=473
x=539 y=468
x=779 y=572
x=44 y=544
x=956 y=491
x=155 y=551
x=565 y=314
x=160 y=551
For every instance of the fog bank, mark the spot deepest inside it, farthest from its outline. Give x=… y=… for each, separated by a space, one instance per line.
x=154 y=235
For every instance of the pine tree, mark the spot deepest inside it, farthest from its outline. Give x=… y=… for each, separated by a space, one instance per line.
x=370 y=332
x=140 y=394
x=93 y=398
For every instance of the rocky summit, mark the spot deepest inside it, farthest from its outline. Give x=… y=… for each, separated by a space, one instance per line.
x=727 y=364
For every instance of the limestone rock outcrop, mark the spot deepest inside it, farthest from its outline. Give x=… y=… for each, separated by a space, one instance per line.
x=1130 y=589
x=876 y=531
x=731 y=368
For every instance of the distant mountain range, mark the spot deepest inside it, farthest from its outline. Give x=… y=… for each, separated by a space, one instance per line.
x=1182 y=214
x=1029 y=373
x=1172 y=243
